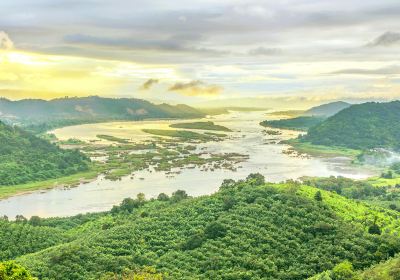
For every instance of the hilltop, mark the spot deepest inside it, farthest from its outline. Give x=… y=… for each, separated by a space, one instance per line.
x=327 y=110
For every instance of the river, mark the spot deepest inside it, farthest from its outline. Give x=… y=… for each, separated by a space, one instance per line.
x=266 y=157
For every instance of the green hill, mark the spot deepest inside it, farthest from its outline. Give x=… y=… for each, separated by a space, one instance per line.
x=41 y=115
x=363 y=126
x=27 y=158
x=327 y=110
x=298 y=123
x=247 y=230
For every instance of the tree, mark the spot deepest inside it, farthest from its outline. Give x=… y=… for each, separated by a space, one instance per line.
x=215 y=229
x=128 y=204
x=179 y=195
x=343 y=271
x=318 y=196
x=163 y=197
x=374 y=229
x=255 y=179
x=12 y=271
x=35 y=220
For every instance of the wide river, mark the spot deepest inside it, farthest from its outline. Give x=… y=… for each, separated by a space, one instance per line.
x=266 y=157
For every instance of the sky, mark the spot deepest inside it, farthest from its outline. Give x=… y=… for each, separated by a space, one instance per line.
x=291 y=52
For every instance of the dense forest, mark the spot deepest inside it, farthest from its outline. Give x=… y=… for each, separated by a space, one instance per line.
x=27 y=158
x=298 y=123
x=41 y=115
x=249 y=229
x=364 y=126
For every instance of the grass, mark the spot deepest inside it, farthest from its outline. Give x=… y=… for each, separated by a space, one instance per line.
x=183 y=134
x=8 y=191
x=381 y=182
x=112 y=139
x=320 y=150
x=201 y=125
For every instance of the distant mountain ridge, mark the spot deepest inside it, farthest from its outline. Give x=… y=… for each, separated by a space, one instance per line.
x=362 y=126
x=328 y=109
x=92 y=108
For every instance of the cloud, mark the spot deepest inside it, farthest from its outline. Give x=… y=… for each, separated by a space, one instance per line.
x=5 y=41
x=389 y=70
x=149 y=83
x=196 y=88
x=387 y=39
x=264 y=51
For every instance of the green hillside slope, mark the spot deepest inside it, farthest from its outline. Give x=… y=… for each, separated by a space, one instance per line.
x=363 y=126
x=247 y=230
x=27 y=158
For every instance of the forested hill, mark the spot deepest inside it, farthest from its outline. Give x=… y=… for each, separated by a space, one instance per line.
x=327 y=110
x=247 y=230
x=89 y=109
x=27 y=158
x=363 y=126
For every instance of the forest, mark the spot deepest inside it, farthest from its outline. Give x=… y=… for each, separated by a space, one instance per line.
x=363 y=126
x=26 y=158
x=249 y=229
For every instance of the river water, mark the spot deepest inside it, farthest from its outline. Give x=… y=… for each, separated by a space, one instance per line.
x=266 y=157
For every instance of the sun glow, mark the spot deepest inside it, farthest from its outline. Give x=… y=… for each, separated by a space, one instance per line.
x=49 y=76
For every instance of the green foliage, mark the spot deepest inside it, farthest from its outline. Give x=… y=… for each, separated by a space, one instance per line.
x=183 y=134
x=12 y=271
x=26 y=158
x=298 y=123
x=201 y=125
x=364 y=126
x=268 y=232
x=318 y=196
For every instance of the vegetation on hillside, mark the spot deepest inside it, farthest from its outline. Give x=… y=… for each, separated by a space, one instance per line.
x=364 y=126
x=26 y=158
x=201 y=125
x=247 y=230
x=298 y=123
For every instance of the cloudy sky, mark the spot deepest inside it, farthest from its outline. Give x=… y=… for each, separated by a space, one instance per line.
x=304 y=51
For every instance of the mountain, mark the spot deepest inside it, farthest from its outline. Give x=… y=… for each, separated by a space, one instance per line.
x=364 y=126
x=328 y=109
x=26 y=158
x=89 y=109
x=247 y=230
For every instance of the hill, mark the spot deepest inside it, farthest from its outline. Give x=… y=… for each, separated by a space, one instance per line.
x=26 y=158
x=328 y=109
x=298 y=123
x=247 y=230
x=44 y=114
x=363 y=126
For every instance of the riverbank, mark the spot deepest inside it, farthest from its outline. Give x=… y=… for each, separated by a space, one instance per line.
x=68 y=181
x=321 y=151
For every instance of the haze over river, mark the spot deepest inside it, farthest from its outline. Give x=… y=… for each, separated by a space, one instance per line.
x=266 y=157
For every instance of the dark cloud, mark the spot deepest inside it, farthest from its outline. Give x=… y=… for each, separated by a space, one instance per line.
x=386 y=40
x=149 y=83
x=196 y=88
x=390 y=70
x=264 y=51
